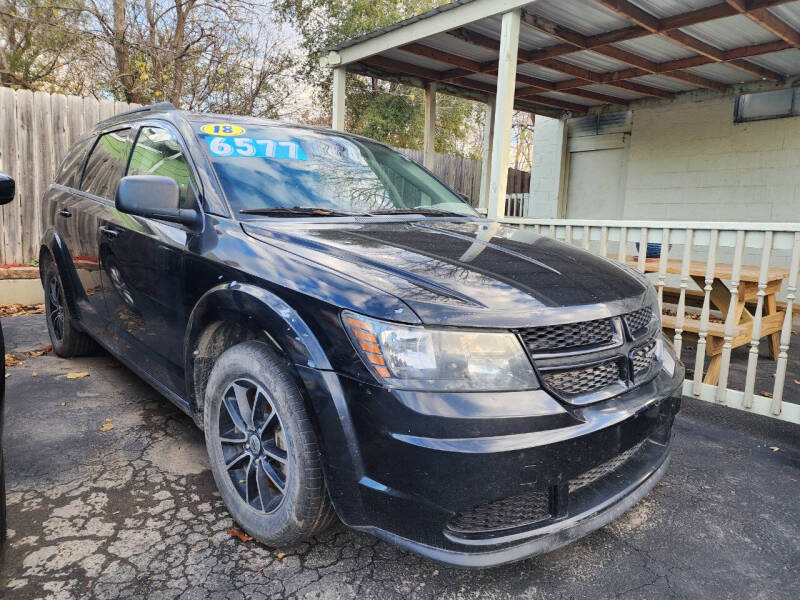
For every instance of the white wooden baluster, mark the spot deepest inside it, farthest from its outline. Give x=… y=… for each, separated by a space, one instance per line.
x=604 y=241
x=553 y=231
x=623 y=244
x=786 y=330
x=586 y=237
x=755 y=338
x=568 y=234
x=663 y=257
x=538 y=228
x=700 y=356
x=679 y=318
x=725 y=361
x=642 y=250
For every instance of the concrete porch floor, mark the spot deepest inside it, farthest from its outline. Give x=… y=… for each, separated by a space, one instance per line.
x=133 y=512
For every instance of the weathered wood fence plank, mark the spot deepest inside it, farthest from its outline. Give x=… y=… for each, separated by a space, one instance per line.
x=36 y=130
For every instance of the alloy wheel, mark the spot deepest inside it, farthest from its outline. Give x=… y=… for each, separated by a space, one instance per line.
x=55 y=302
x=253 y=445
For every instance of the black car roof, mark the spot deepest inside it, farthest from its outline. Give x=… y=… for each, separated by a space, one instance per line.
x=168 y=110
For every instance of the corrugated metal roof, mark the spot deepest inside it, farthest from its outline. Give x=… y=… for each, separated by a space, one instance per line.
x=730 y=32
x=655 y=48
x=589 y=18
x=723 y=73
x=786 y=61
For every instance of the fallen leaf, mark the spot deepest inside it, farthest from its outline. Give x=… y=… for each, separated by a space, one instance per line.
x=767 y=394
x=16 y=310
x=106 y=427
x=40 y=351
x=243 y=537
x=78 y=375
x=260 y=570
x=774 y=448
x=12 y=360
x=281 y=555
x=797 y=381
x=63 y=404
x=33 y=374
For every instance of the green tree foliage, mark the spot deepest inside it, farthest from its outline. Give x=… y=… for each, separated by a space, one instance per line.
x=38 y=42
x=387 y=111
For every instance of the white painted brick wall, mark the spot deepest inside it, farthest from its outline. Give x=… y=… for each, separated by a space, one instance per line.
x=689 y=160
x=548 y=140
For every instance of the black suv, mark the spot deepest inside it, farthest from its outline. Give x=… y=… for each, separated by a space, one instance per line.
x=355 y=340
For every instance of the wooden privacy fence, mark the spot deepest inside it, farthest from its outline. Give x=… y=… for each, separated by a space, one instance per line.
x=727 y=291
x=36 y=130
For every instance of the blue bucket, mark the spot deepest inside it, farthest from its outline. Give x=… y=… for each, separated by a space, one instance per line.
x=653 y=249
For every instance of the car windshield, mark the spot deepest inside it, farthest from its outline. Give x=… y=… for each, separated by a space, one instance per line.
x=278 y=171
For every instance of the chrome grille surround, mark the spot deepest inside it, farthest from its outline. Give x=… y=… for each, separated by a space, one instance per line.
x=506 y=513
x=585 y=374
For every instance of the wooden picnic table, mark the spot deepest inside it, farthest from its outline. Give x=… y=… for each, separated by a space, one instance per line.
x=720 y=299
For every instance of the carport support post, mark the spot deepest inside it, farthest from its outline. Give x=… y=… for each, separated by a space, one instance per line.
x=428 y=151
x=339 y=77
x=486 y=163
x=504 y=107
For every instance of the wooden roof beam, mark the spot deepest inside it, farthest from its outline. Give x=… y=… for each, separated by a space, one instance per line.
x=768 y=21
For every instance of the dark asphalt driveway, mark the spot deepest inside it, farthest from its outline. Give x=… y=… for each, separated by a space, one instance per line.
x=133 y=512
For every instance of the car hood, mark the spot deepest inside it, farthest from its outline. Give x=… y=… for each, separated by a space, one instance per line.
x=465 y=272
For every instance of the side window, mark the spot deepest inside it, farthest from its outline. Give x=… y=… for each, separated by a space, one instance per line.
x=105 y=164
x=70 y=172
x=158 y=152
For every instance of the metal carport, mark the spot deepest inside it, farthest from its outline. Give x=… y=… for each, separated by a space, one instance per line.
x=571 y=57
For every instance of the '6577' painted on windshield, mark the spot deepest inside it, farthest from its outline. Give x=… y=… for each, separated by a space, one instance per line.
x=247 y=147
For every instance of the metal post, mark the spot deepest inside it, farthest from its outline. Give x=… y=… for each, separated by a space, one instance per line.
x=501 y=140
x=339 y=77
x=428 y=152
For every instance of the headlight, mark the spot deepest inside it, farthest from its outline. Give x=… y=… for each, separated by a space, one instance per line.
x=418 y=358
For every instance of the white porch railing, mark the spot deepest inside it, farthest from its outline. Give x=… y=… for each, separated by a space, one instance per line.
x=746 y=276
x=516 y=204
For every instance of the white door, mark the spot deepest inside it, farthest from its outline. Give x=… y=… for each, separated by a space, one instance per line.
x=596 y=187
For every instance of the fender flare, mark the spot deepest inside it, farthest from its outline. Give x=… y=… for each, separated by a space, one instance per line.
x=257 y=307
x=53 y=244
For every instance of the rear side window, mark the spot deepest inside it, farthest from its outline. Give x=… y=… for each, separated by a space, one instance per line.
x=70 y=172
x=158 y=152
x=106 y=163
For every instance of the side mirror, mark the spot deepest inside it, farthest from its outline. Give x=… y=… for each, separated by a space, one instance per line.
x=7 y=189
x=155 y=197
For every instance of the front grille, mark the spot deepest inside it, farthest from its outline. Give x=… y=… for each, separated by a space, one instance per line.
x=643 y=357
x=503 y=514
x=638 y=319
x=568 y=336
x=583 y=380
x=606 y=468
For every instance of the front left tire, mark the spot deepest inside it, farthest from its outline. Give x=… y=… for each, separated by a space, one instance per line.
x=262 y=447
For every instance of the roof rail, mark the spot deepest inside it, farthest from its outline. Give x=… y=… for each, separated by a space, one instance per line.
x=160 y=106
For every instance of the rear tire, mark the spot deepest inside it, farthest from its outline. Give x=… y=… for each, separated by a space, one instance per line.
x=263 y=451
x=67 y=339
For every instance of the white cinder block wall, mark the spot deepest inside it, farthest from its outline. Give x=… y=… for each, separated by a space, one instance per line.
x=689 y=160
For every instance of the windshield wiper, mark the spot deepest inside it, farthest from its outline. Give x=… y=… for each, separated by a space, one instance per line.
x=420 y=210
x=300 y=211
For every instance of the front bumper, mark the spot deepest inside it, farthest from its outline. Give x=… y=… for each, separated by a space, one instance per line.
x=410 y=465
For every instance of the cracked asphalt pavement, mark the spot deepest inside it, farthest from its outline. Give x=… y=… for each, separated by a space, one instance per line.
x=133 y=512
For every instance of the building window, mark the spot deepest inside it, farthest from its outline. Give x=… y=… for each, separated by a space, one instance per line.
x=767 y=105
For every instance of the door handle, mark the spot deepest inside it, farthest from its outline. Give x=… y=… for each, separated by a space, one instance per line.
x=109 y=232
x=64 y=212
